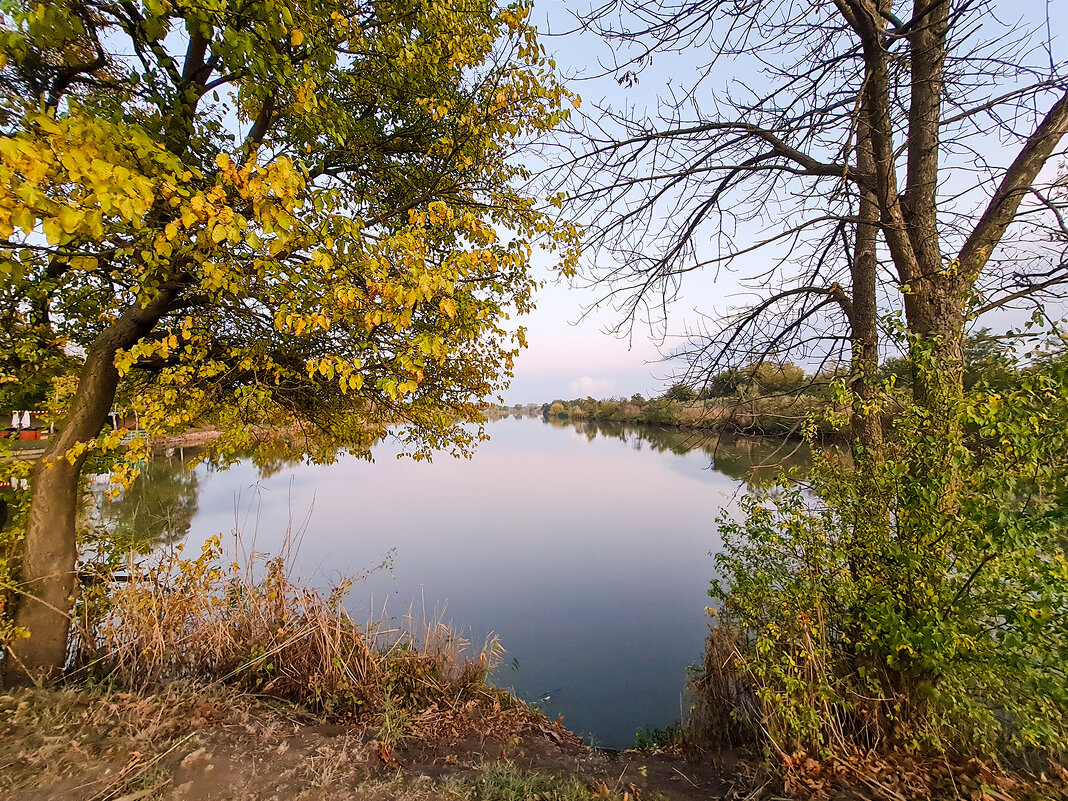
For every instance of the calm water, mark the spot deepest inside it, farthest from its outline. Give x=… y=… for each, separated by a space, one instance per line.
x=584 y=549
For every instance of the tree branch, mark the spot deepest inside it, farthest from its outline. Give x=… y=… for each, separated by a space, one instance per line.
x=1001 y=210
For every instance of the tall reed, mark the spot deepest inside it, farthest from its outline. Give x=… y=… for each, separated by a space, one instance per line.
x=205 y=619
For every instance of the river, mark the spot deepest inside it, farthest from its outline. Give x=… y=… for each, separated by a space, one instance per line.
x=585 y=549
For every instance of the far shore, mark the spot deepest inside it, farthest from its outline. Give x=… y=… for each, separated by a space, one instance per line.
x=187 y=439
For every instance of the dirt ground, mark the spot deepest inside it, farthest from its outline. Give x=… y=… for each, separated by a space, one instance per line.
x=68 y=746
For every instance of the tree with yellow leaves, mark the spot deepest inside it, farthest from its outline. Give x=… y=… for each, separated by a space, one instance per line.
x=278 y=216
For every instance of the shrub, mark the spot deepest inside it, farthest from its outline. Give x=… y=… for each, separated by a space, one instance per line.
x=681 y=393
x=869 y=611
x=251 y=628
x=775 y=378
x=661 y=412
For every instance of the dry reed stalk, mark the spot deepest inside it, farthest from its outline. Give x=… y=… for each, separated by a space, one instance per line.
x=249 y=626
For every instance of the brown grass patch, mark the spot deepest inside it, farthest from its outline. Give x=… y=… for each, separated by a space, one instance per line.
x=249 y=627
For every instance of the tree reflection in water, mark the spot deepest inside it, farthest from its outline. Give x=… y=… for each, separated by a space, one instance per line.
x=156 y=509
x=753 y=459
x=159 y=506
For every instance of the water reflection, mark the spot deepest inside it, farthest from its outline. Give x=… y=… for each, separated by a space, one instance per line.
x=160 y=505
x=584 y=548
x=157 y=509
x=745 y=458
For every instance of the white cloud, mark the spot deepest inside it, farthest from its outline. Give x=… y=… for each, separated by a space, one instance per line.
x=597 y=387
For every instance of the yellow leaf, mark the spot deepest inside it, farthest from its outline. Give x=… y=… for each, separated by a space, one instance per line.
x=69 y=219
x=24 y=219
x=296 y=37
x=222 y=161
x=53 y=231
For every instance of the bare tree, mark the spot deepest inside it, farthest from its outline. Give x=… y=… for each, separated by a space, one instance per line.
x=869 y=156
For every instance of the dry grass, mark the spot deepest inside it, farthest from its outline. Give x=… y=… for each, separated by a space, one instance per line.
x=96 y=746
x=251 y=628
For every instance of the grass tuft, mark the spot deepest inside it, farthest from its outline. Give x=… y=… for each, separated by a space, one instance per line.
x=504 y=781
x=249 y=627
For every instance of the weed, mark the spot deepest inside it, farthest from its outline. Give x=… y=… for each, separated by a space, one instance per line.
x=503 y=781
x=672 y=738
x=394 y=721
x=249 y=627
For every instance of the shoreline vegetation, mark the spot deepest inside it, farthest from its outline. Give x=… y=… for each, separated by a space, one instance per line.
x=780 y=399
x=774 y=416
x=199 y=676
x=198 y=639
x=768 y=399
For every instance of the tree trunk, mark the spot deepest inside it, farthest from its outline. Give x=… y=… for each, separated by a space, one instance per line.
x=866 y=419
x=47 y=577
x=935 y=313
x=49 y=552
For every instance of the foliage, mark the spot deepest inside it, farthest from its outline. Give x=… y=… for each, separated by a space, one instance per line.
x=773 y=378
x=14 y=503
x=680 y=392
x=661 y=412
x=869 y=611
x=296 y=221
x=784 y=414
x=671 y=738
x=340 y=264
x=987 y=360
x=723 y=384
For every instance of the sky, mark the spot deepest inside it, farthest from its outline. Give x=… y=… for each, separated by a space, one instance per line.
x=569 y=354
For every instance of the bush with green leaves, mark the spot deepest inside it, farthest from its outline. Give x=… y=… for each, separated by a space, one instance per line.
x=902 y=603
x=661 y=412
x=682 y=393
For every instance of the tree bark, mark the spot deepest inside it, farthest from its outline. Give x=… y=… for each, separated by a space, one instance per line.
x=50 y=549
x=934 y=309
x=866 y=420
x=47 y=577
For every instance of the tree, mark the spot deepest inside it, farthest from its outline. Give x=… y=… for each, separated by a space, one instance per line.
x=855 y=152
x=286 y=218
x=989 y=360
x=681 y=392
x=772 y=378
x=879 y=168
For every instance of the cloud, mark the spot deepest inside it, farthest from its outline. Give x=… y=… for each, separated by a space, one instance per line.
x=597 y=387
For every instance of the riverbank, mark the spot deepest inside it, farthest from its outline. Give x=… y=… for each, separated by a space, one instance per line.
x=195 y=437
x=209 y=744
x=189 y=743
x=779 y=416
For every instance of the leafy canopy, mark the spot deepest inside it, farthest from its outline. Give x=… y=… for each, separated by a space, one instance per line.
x=308 y=207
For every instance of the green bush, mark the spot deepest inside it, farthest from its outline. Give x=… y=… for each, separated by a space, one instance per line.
x=682 y=393
x=661 y=412
x=902 y=603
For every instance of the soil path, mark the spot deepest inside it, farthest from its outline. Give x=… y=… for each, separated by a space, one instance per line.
x=68 y=746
